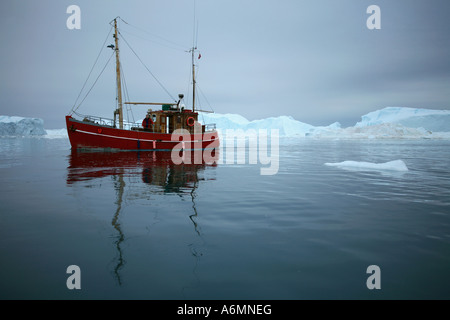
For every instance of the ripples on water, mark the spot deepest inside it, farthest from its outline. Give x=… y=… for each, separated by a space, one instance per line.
x=141 y=227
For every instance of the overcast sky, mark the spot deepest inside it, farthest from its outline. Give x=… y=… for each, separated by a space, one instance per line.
x=314 y=60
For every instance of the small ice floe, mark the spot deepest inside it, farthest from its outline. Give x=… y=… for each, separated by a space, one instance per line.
x=396 y=165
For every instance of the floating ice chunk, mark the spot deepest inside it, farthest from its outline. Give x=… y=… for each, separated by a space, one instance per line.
x=396 y=165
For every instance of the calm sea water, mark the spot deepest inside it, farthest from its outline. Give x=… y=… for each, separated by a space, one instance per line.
x=140 y=227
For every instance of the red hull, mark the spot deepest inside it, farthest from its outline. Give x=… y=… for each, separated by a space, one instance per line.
x=83 y=135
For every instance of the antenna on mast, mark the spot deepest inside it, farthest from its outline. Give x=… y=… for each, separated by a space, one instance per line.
x=193 y=79
x=194 y=47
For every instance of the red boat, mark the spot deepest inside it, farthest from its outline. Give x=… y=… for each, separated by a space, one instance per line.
x=172 y=128
x=93 y=133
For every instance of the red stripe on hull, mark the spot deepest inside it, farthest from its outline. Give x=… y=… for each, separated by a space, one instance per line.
x=84 y=135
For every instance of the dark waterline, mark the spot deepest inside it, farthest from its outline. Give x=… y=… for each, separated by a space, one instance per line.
x=140 y=227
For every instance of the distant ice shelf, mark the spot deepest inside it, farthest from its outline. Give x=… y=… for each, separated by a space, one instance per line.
x=386 y=123
x=56 y=133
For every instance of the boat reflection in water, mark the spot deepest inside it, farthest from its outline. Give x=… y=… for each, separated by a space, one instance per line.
x=149 y=173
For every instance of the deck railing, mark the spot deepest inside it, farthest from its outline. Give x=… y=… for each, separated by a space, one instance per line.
x=107 y=122
x=126 y=124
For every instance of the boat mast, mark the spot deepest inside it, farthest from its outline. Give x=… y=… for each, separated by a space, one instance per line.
x=119 y=87
x=193 y=80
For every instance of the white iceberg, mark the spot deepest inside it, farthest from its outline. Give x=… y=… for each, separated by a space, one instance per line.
x=286 y=125
x=394 y=123
x=20 y=126
x=430 y=120
x=396 y=165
